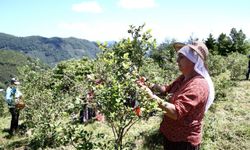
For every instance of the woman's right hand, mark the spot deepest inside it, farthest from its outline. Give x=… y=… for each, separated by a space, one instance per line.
x=141 y=81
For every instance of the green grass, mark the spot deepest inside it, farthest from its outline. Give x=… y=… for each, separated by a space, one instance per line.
x=4 y=126
x=7 y=142
x=226 y=126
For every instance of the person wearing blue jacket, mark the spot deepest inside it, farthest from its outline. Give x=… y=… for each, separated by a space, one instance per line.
x=12 y=96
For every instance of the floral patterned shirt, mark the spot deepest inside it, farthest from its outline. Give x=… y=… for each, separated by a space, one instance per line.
x=189 y=98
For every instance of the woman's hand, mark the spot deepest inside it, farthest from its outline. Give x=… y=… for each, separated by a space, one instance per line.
x=141 y=81
x=147 y=89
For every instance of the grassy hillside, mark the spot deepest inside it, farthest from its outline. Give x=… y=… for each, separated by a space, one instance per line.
x=9 y=63
x=227 y=126
x=49 y=50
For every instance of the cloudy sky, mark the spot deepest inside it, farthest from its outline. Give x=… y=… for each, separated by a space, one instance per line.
x=105 y=20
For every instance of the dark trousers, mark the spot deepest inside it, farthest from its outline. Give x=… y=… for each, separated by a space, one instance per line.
x=168 y=145
x=86 y=114
x=247 y=75
x=14 y=120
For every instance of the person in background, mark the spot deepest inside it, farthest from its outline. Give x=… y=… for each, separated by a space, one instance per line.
x=248 y=70
x=133 y=103
x=191 y=94
x=89 y=112
x=13 y=95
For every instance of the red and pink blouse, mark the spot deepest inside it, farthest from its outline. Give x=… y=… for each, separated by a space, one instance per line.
x=189 y=98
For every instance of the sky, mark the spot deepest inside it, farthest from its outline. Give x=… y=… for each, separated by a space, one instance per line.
x=108 y=20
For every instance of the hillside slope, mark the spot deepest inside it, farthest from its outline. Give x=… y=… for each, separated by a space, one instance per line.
x=49 y=50
x=10 y=61
x=227 y=124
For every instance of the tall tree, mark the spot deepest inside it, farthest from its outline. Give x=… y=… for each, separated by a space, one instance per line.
x=238 y=41
x=224 y=44
x=211 y=44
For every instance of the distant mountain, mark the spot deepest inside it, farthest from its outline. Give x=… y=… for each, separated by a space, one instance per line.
x=49 y=50
x=10 y=61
